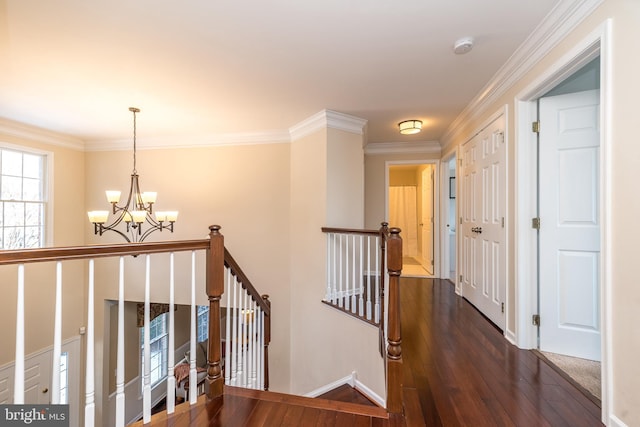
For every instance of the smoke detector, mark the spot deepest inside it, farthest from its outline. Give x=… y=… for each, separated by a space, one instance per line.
x=463 y=45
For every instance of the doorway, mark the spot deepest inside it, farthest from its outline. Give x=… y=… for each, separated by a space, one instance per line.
x=529 y=259
x=411 y=207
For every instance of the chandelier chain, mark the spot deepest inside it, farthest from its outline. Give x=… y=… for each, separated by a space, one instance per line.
x=134 y=140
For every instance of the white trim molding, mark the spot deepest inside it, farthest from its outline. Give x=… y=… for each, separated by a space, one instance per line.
x=419 y=147
x=328 y=119
x=192 y=141
x=15 y=129
x=562 y=19
x=351 y=380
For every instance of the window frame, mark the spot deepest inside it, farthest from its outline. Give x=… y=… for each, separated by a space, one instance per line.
x=165 y=356
x=47 y=187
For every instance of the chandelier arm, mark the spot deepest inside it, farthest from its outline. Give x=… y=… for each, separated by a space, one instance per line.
x=103 y=229
x=149 y=231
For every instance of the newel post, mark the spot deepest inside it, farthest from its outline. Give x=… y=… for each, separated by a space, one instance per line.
x=215 y=288
x=394 y=335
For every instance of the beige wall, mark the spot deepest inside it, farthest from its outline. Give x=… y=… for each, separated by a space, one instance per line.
x=623 y=176
x=326 y=344
x=67 y=212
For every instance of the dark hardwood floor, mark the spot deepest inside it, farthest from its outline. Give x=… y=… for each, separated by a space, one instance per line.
x=346 y=393
x=458 y=370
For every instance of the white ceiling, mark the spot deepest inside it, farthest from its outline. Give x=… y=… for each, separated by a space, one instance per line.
x=208 y=68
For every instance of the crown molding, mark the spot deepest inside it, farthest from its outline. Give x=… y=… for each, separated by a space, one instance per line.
x=23 y=131
x=558 y=23
x=328 y=119
x=420 y=147
x=192 y=141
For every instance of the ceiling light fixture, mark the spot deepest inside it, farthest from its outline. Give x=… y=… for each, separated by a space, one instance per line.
x=137 y=210
x=409 y=127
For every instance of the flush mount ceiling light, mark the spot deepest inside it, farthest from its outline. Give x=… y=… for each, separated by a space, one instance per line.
x=136 y=211
x=409 y=127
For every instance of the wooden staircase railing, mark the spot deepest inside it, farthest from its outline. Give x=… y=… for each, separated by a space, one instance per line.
x=219 y=264
x=363 y=265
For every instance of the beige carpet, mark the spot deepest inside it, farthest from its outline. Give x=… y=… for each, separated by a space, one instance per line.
x=584 y=372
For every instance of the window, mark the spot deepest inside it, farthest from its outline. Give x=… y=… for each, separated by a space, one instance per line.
x=158 y=346
x=203 y=323
x=22 y=199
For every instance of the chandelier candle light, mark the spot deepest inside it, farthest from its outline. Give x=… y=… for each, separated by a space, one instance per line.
x=137 y=210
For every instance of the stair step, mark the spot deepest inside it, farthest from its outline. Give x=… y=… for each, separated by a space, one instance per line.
x=310 y=402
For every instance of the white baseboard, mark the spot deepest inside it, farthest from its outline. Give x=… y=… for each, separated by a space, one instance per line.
x=615 y=422
x=352 y=381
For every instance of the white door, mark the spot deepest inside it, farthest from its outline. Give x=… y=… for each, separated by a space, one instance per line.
x=483 y=254
x=426 y=220
x=569 y=235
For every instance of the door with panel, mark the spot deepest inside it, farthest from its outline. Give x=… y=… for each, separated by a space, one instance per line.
x=569 y=235
x=483 y=221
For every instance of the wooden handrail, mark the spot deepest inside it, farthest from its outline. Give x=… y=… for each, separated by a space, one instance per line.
x=24 y=256
x=350 y=231
x=232 y=265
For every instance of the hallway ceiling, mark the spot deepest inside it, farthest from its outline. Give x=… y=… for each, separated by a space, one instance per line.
x=207 y=69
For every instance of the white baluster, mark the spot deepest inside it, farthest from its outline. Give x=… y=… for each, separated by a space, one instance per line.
x=378 y=273
x=327 y=297
x=193 y=374
x=89 y=405
x=18 y=381
x=250 y=359
x=171 y=378
x=361 y=290
x=259 y=360
x=334 y=268
x=57 y=338
x=347 y=298
x=341 y=293
x=227 y=336
x=369 y=277
x=120 y=355
x=243 y=339
x=234 y=337
x=146 y=375
x=353 y=276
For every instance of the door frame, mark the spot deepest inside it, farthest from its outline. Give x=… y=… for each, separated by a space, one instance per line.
x=436 y=203
x=445 y=260
x=525 y=176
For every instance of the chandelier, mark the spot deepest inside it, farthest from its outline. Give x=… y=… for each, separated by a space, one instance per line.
x=137 y=211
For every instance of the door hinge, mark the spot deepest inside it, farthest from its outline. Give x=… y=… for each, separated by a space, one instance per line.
x=461 y=278
x=502 y=307
x=460 y=220
x=535 y=223
x=535 y=319
x=432 y=263
x=535 y=127
x=460 y=162
x=502 y=222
